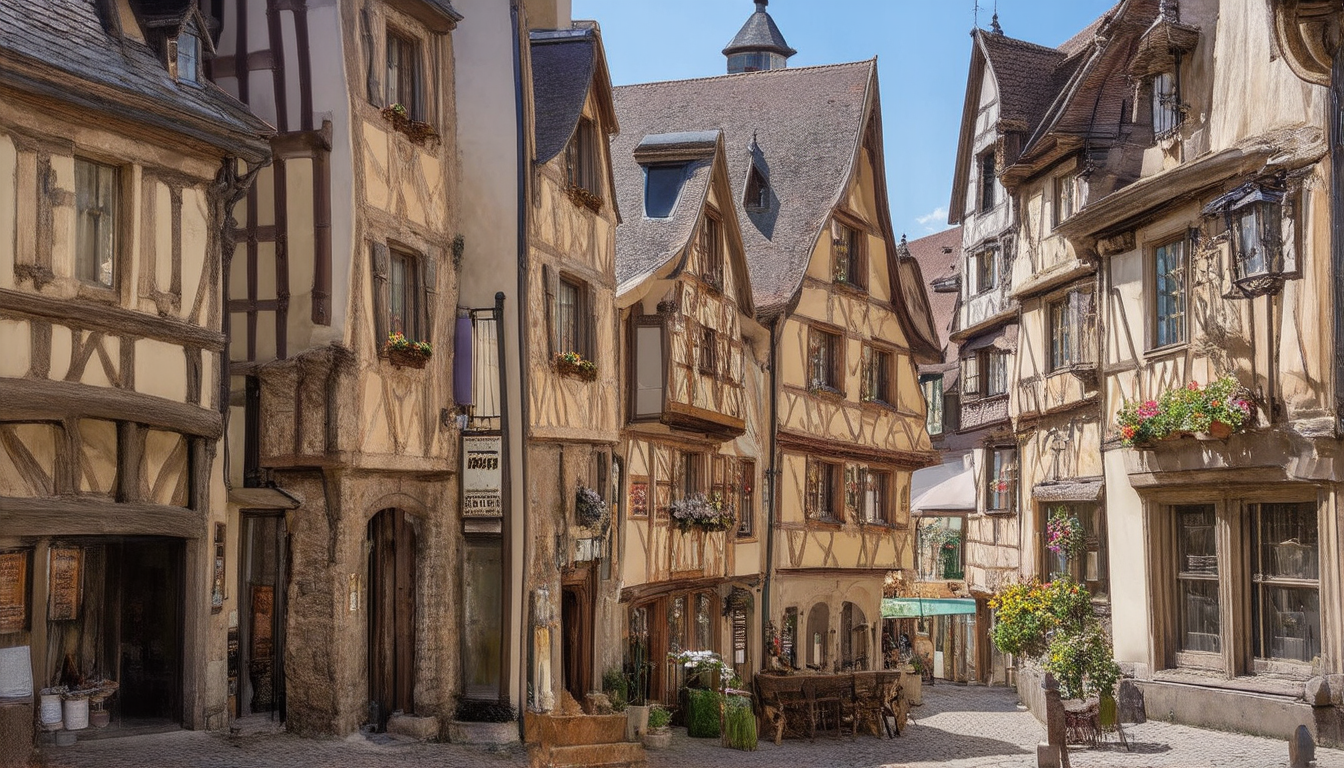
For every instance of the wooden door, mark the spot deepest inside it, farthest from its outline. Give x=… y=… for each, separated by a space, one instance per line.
x=576 y=627
x=261 y=576
x=391 y=614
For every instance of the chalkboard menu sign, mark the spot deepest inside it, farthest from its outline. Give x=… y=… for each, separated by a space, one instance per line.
x=13 y=591
x=66 y=583
x=739 y=637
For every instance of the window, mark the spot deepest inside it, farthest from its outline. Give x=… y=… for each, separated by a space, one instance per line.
x=994 y=367
x=876 y=375
x=848 y=249
x=1286 y=578
x=1061 y=335
x=876 y=497
x=692 y=474
x=581 y=157
x=1169 y=307
x=746 y=499
x=572 y=318
x=989 y=181
x=404 y=295
x=1000 y=479
x=703 y=638
x=403 y=75
x=1089 y=566
x=647 y=368
x=1197 y=578
x=757 y=196
x=1166 y=104
x=984 y=263
x=711 y=251
x=825 y=360
x=188 y=57
x=96 y=214
x=939 y=545
x=708 y=352
x=1070 y=196
x=970 y=374
x=788 y=638
x=662 y=186
x=1071 y=324
x=932 y=387
x=822 y=477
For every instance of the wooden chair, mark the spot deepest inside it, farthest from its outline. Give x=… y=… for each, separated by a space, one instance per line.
x=827 y=697
x=865 y=703
x=777 y=698
x=894 y=702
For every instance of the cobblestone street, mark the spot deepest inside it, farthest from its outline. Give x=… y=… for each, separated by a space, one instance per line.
x=958 y=727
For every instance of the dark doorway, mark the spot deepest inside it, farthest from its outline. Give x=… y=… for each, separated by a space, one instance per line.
x=576 y=628
x=148 y=577
x=261 y=620
x=391 y=615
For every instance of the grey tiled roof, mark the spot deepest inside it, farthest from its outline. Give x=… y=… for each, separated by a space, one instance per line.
x=643 y=245
x=760 y=33
x=50 y=46
x=807 y=122
x=562 y=71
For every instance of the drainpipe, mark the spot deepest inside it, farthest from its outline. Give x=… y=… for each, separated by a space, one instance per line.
x=523 y=162
x=1337 y=225
x=772 y=477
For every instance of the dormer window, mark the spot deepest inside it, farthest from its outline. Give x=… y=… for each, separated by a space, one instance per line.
x=188 y=58
x=757 y=196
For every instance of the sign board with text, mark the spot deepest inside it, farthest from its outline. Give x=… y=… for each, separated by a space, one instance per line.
x=482 y=476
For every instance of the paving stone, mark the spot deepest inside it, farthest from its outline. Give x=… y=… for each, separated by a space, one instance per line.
x=958 y=727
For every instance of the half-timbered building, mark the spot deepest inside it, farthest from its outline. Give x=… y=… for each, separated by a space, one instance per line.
x=119 y=169
x=694 y=392
x=847 y=320
x=1214 y=261
x=345 y=533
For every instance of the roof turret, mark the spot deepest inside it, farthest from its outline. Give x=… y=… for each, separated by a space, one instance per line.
x=759 y=45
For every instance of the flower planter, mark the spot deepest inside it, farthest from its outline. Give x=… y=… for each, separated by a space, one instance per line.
x=912 y=686
x=636 y=722
x=406 y=358
x=1220 y=430
x=660 y=738
x=582 y=369
x=460 y=732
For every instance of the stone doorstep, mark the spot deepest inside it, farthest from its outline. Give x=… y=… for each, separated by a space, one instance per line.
x=421 y=728
x=622 y=755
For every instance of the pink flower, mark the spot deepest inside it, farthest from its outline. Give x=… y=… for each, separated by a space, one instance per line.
x=1192 y=386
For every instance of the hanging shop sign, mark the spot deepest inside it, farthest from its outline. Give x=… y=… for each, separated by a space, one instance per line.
x=13 y=591
x=66 y=583
x=482 y=476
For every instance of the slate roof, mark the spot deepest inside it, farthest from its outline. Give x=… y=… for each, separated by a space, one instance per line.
x=562 y=71
x=760 y=33
x=67 y=39
x=807 y=122
x=644 y=245
x=939 y=256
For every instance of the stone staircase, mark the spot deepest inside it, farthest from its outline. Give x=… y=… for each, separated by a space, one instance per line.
x=592 y=741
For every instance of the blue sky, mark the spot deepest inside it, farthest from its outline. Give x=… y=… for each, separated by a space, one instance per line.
x=923 y=49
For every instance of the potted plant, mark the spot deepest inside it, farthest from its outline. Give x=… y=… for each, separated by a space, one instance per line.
x=1064 y=533
x=706 y=513
x=418 y=131
x=659 y=735
x=406 y=353
x=591 y=510
x=484 y=722
x=573 y=364
x=739 y=724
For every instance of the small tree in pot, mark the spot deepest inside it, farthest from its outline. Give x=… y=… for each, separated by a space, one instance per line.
x=659 y=736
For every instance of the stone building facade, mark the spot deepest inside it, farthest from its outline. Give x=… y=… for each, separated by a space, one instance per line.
x=118 y=177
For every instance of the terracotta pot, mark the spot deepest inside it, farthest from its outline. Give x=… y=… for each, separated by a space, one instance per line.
x=99 y=718
x=1220 y=430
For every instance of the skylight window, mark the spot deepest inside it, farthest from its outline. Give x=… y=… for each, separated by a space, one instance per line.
x=662 y=186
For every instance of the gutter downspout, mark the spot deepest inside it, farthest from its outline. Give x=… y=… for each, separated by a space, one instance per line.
x=772 y=475
x=525 y=658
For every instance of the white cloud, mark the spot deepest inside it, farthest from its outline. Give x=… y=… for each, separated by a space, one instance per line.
x=933 y=221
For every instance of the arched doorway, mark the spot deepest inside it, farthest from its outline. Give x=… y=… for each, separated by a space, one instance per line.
x=391 y=614
x=818 y=636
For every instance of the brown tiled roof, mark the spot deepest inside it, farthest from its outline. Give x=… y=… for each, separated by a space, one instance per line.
x=808 y=122
x=1026 y=75
x=67 y=39
x=1085 y=36
x=939 y=256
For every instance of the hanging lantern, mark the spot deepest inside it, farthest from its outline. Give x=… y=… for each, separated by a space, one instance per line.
x=1253 y=214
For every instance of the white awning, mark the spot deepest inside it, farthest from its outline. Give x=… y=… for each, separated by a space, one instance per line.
x=957 y=493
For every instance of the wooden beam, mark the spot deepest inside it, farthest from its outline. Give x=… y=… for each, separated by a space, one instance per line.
x=33 y=400
x=843 y=450
x=109 y=320
x=75 y=516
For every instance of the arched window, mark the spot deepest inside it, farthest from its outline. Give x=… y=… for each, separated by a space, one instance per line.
x=817 y=639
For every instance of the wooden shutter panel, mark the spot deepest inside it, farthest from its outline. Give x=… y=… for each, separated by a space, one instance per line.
x=588 y=319
x=430 y=294
x=550 y=286
x=381 y=265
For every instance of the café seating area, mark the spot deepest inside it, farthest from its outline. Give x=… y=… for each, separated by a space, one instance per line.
x=800 y=705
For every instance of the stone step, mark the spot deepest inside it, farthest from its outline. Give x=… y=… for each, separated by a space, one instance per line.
x=622 y=755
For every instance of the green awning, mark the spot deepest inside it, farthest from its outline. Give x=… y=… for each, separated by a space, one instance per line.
x=914 y=607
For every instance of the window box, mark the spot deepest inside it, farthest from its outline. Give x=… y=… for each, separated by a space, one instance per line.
x=404 y=353
x=418 y=131
x=573 y=364
x=1217 y=410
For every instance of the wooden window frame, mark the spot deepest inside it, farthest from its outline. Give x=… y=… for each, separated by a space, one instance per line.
x=582 y=158
x=828 y=490
x=941 y=575
x=709 y=242
x=409 y=50
x=926 y=384
x=707 y=351
x=746 y=499
x=985 y=268
x=637 y=322
x=1260 y=580
x=987 y=166
x=1067 y=198
x=834 y=341
x=1155 y=320
x=971 y=381
x=849 y=253
x=988 y=360
x=1062 y=334
x=994 y=498
x=413 y=316
x=756 y=196
x=1169 y=104
x=1075 y=564
x=878 y=378
x=583 y=319
x=114 y=213
x=886 y=480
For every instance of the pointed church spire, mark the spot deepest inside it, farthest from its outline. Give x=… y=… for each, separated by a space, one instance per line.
x=759 y=44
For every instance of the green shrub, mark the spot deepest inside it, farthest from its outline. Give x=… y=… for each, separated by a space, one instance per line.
x=702 y=713
x=740 y=724
x=659 y=717
x=617 y=688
